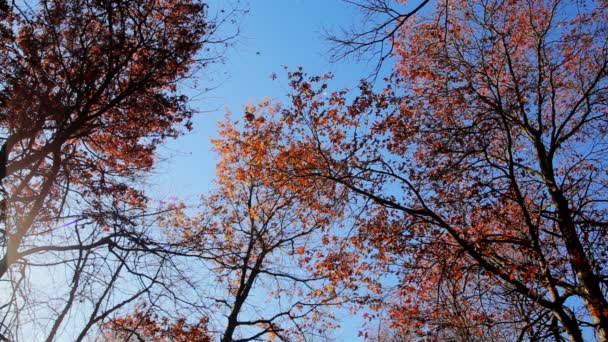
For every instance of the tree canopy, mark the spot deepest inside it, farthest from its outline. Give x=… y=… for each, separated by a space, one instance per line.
x=461 y=198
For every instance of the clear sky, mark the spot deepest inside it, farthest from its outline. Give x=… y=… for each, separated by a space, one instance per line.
x=275 y=33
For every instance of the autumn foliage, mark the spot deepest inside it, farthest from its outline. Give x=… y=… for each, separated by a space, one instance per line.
x=257 y=236
x=462 y=198
x=476 y=174
x=88 y=90
x=143 y=325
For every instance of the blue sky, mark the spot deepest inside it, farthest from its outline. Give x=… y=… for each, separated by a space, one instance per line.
x=275 y=33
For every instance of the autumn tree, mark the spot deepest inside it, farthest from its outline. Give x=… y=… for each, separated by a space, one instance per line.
x=478 y=170
x=254 y=242
x=89 y=89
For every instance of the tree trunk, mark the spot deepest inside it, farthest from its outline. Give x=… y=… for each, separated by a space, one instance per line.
x=592 y=295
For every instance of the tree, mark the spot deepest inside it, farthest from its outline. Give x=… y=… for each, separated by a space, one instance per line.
x=88 y=91
x=254 y=243
x=478 y=169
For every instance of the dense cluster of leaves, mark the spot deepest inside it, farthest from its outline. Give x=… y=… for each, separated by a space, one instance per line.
x=143 y=325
